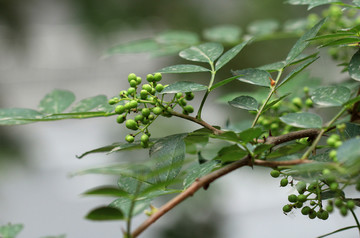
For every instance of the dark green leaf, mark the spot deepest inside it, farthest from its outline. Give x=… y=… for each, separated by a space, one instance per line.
x=230 y=153
x=349 y=154
x=253 y=76
x=303 y=42
x=350 y=41
x=302 y=120
x=262 y=148
x=332 y=36
x=352 y=130
x=354 y=66
x=296 y=71
x=56 y=101
x=330 y=96
x=105 y=214
x=250 y=134
x=207 y=52
x=10 y=230
x=17 y=116
x=88 y=104
x=223 y=82
x=106 y=191
x=183 y=68
x=223 y=33
x=287 y=150
x=183 y=87
x=273 y=66
x=227 y=136
x=229 y=55
x=198 y=171
x=311 y=3
x=113 y=148
x=245 y=102
x=169 y=154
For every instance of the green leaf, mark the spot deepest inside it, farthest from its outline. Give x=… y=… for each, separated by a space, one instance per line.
x=303 y=42
x=263 y=27
x=169 y=154
x=296 y=71
x=56 y=101
x=350 y=41
x=349 y=155
x=273 y=66
x=177 y=38
x=135 y=181
x=286 y=150
x=125 y=204
x=250 y=134
x=90 y=103
x=339 y=230
x=332 y=36
x=17 y=116
x=183 y=87
x=302 y=120
x=273 y=102
x=351 y=130
x=139 y=46
x=222 y=83
x=253 y=76
x=227 y=136
x=106 y=191
x=183 y=68
x=198 y=171
x=311 y=3
x=230 y=153
x=330 y=96
x=207 y=52
x=229 y=55
x=10 y=230
x=105 y=214
x=223 y=33
x=245 y=102
x=354 y=66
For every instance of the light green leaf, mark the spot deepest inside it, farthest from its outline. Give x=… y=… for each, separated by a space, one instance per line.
x=90 y=103
x=245 y=102
x=106 y=191
x=10 y=230
x=332 y=36
x=229 y=55
x=134 y=182
x=168 y=153
x=223 y=33
x=198 y=171
x=296 y=71
x=105 y=214
x=183 y=87
x=349 y=155
x=303 y=42
x=207 y=52
x=17 y=116
x=177 y=37
x=311 y=3
x=273 y=102
x=56 y=101
x=139 y=46
x=183 y=68
x=330 y=96
x=253 y=76
x=223 y=82
x=250 y=134
x=354 y=66
x=263 y=27
x=125 y=204
x=302 y=120
x=349 y=41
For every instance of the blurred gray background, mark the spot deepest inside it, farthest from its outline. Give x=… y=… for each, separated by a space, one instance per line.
x=47 y=44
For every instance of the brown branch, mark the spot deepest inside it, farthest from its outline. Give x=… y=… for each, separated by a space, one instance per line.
x=198 y=121
x=275 y=164
x=276 y=140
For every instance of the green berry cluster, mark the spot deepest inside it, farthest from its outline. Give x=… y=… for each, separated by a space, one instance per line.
x=146 y=104
x=314 y=193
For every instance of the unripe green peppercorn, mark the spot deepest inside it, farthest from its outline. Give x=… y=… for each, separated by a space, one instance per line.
x=123 y=94
x=275 y=173
x=147 y=87
x=144 y=138
x=338 y=202
x=332 y=154
x=131 y=76
x=338 y=144
x=145 y=112
x=305 y=210
x=159 y=87
x=284 y=182
x=143 y=94
x=150 y=78
x=131 y=124
x=334 y=186
x=131 y=91
x=129 y=138
x=292 y=198
x=312 y=214
x=189 y=108
x=133 y=104
x=350 y=204
x=178 y=95
x=151 y=117
x=120 y=119
x=287 y=208
x=119 y=109
x=138 y=80
x=113 y=101
x=309 y=102
x=329 y=208
x=302 y=198
x=324 y=215
x=157 y=77
x=157 y=110
x=297 y=102
x=343 y=210
x=139 y=117
x=133 y=83
x=301 y=187
x=182 y=102
x=127 y=106
x=189 y=96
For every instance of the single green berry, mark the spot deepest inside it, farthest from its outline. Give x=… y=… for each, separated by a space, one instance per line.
x=266 y=122
x=312 y=214
x=189 y=108
x=143 y=94
x=153 y=91
x=144 y=138
x=133 y=83
x=274 y=126
x=151 y=117
x=119 y=109
x=138 y=80
x=145 y=121
x=297 y=102
x=329 y=208
x=131 y=91
x=313 y=186
x=123 y=93
x=157 y=77
x=299 y=204
x=324 y=215
x=139 y=117
x=305 y=210
x=309 y=102
x=275 y=173
x=131 y=124
x=338 y=144
x=127 y=106
x=343 y=210
x=189 y=96
x=331 y=141
x=157 y=110
x=287 y=208
x=131 y=76
x=178 y=95
x=147 y=87
x=145 y=112
x=292 y=198
x=301 y=187
x=341 y=127
x=350 y=204
x=150 y=78
x=129 y=138
x=338 y=202
x=113 y=101
x=133 y=104
x=306 y=90
x=312 y=203
x=284 y=182
x=159 y=87
x=302 y=198
x=120 y=119
x=144 y=145
x=334 y=186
